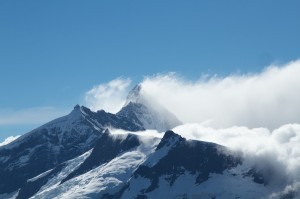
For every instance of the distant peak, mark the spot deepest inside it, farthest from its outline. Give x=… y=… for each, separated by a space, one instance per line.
x=170 y=135
x=134 y=95
x=147 y=112
x=137 y=88
x=169 y=138
x=76 y=107
x=85 y=109
x=79 y=110
x=76 y=112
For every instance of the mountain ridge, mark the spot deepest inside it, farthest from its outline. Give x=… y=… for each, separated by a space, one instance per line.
x=59 y=140
x=77 y=156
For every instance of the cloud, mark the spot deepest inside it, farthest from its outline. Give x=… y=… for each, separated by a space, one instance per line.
x=146 y=133
x=147 y=137
x=36 y=115
x=9 y=140
x=290 y=191
x=276 y=153
x=267 y=99
x=108 y=96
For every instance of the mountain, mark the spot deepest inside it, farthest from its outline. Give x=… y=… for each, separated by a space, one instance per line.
x=181 y=168
x=81 y=156
x=146 y=112
x=66 y=138
x=139 y=166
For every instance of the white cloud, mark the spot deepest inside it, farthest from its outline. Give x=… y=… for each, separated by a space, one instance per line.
x=108 y=96
x=9 y=140
x=36 y=115
x=146 y=133
x=267 y=99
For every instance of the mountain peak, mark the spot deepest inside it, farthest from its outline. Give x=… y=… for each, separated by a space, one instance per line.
x=169 y=134
x=79 y=110
x=77 y=106
x=169 y=138
x=134 y=95
x=147 y=112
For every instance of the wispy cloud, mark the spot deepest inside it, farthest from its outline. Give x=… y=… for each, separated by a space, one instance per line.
x=267 y=99
x=36 y=115
x=108 y=96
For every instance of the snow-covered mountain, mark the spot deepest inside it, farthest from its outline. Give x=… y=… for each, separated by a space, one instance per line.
x=66 y=138
x=78 y=156
x=146 y=112
x=132 y=166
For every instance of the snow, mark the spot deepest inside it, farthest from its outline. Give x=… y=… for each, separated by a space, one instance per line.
x=77 y=120
x=162 y=152
x=135 y=187
x=54 y=182
x=24 y=159
x=217 y=186
x=12 y=195
x=39 y=176
x=4 y=159
x=106 y=178
x=9 y=140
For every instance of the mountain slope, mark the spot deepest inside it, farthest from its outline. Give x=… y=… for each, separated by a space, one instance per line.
x=147 y=167
x=53 y=143
x=181 y=168
x=106 y=169
x=45 y=147
x=70 y=136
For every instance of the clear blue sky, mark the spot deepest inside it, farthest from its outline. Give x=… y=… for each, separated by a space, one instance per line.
x=51 y=52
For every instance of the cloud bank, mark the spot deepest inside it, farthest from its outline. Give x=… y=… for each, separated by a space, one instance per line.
x=108 y=96
x=267 y=99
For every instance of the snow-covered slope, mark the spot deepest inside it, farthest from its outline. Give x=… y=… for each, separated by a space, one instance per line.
x=181 y=168
x=135 y=166
x=104 y=171
x=53 y=143
x=45 y=147
x=9 y=140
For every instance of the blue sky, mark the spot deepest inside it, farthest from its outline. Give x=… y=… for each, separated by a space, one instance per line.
x=52 y=52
